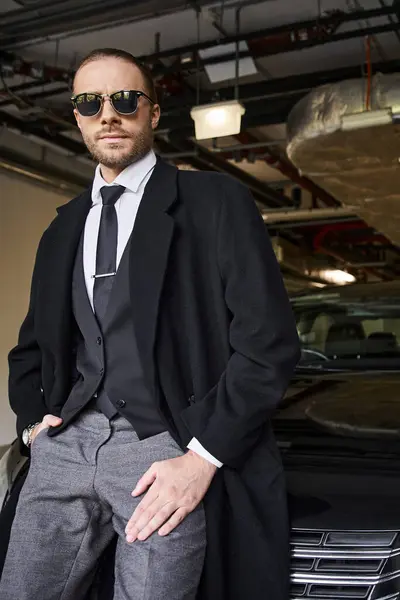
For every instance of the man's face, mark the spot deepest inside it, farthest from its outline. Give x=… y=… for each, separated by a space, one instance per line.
x=115 y=140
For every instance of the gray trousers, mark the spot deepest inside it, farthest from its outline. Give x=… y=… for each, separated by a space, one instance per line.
x=76 y=495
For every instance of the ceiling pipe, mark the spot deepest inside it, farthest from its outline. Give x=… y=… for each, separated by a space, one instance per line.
x=339 y=227
x=319 y=238
x=307 y=215
x=251 y=146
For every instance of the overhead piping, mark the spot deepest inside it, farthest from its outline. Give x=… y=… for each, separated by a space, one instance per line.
x=351 y=152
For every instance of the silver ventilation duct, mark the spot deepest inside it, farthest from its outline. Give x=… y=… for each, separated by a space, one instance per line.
x=351 y=151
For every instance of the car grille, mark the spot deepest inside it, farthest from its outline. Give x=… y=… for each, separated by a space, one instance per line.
x=345 y=565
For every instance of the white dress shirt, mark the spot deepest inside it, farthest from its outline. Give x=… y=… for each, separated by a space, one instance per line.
x=134 y=178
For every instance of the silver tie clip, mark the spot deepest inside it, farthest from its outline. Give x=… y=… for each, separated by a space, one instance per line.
x=104 y=275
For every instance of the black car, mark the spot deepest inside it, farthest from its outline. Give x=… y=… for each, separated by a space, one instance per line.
x=339 y=434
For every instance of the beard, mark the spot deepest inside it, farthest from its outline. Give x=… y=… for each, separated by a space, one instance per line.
x=119 y=156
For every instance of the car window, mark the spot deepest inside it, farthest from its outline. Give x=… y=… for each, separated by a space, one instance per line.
x=362 y=329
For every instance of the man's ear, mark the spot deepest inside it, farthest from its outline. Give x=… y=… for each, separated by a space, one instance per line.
x=77 y=118
x=155 y=116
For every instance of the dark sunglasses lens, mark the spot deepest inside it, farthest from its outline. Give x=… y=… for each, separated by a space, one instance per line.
x=125 y=102
x=88 y=105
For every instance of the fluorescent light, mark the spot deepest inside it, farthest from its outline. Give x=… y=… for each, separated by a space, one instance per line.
x=370 y=118
x=186 y=58
x=217 y=119
x=335 y=276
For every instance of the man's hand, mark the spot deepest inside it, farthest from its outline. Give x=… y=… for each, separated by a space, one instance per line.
x=177 y=486
x=48 y=421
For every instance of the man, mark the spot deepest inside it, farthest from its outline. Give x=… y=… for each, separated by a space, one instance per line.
x=158 y=342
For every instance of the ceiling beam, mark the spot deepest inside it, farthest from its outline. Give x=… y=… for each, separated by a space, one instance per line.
x=280 y=86
x=41 y=173
x=23 y=26
x=284 y=38
x=295 y=46
x=203 y=159
x=320 y=25
x=37 y=128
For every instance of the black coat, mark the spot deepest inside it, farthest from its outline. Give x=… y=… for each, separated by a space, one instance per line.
x=218 y=344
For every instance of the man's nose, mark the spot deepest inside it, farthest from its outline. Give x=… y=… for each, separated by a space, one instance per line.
x=108 y=113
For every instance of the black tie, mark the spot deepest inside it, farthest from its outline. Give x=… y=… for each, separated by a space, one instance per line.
x=106 y=255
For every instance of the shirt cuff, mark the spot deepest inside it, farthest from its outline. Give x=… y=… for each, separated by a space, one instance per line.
x=195 y=446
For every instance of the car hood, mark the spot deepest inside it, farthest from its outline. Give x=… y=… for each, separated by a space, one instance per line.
x=339 y=435
x=349 y=404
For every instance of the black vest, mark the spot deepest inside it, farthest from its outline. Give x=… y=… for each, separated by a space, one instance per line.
x=108 y=362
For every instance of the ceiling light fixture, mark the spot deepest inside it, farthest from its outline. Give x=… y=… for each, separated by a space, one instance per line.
x=335 y=276
x=218 y=119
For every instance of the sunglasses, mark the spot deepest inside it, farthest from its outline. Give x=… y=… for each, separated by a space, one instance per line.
x=124 y=102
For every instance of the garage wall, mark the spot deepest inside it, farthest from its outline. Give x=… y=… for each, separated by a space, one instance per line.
x=25 y=211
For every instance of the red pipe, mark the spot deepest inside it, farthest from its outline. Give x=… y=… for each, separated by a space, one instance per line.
x=335 y=227
x=339 y=227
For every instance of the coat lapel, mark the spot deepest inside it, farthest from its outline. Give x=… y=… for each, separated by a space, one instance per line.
x=148 y=259
x=56 y=283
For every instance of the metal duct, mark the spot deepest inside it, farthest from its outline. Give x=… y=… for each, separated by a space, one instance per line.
x=339 y=144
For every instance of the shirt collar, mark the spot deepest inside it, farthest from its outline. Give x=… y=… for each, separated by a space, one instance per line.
x=131 y=177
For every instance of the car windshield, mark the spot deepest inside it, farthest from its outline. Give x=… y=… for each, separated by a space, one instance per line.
x=348 y=331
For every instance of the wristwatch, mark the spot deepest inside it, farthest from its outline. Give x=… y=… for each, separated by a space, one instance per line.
x=27 y=433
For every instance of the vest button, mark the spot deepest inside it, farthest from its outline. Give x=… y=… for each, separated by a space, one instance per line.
x=98 y=341
x=101 y=371
x=120 y=403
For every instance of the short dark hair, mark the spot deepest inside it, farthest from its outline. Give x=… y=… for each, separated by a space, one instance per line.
x=122 y=55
